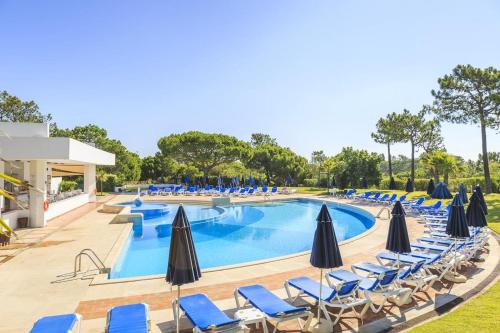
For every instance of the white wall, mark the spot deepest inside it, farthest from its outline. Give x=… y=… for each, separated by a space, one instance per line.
x=60 y=207
x=11 y=217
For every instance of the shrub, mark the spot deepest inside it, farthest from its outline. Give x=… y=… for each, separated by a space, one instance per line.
x=310 y=182
x=420 y=184
x=110 y=181
x=67 y=185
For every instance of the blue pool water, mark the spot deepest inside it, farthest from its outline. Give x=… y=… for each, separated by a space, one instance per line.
x=235 y=234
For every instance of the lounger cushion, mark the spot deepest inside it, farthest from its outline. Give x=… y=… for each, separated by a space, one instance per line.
x=267 y=302
x=311 y=288
x=203 y=313
x=344 y=275
x=404 y=258
x=132 y=318
x=55 y=324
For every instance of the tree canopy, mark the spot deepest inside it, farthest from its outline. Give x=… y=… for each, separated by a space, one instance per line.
x=351 y=165
x=204 y=151
x=13 y=109
x=471 y=95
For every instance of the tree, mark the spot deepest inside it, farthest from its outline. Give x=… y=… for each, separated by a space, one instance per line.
x=440 y=163
x=127 y=164
x=154 y=167
x=419 y=132
x=204 y=151
x=260 y=139
x=471 y=95
x=13 y=109
x=350 y=165
x=276 y=162
x=388 y=132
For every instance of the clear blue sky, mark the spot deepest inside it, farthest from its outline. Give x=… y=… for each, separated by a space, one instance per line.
x=313 y=74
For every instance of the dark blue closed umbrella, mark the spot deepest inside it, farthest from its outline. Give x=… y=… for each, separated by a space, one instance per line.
x=260 y=182
x=456 y=227
x=397 y=238
x=441 y=192
x=183 y=264
x=363 y=183
x=289 y=180
x=250 y=181
x=475 y=214
x=430 y=187
x=463 y=193
x=409 y=185
x=481 y=199
x=325 y=251
x=392 y=184
x=334 y=183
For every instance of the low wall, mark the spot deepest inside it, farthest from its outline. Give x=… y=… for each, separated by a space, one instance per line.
x=11 y=217
x=60 y=207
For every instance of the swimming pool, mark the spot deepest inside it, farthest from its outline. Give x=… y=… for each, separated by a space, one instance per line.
x=235 y=234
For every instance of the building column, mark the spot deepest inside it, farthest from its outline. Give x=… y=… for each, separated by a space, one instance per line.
x=38 y=179
x=89 y=181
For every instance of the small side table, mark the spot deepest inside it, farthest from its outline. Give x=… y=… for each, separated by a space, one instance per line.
x=252 y=316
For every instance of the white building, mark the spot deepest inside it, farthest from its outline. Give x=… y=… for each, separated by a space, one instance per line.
x=27 y=152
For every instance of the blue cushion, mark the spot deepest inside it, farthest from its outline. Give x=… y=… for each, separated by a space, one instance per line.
x=128 y=318
x=203 y=313
x=311 y=288
x=55 y=324
x=267 y=302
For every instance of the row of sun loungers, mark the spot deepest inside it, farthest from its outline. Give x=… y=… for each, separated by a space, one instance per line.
x=120 y=319
x=395 y=278
x=218 y=191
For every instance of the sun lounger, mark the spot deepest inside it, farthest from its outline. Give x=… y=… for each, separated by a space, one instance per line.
x=390 y=200
x=377 y=280
x=411 y=270
x=128 y=318
x=341 y=295
x=205 y=315
x=362 y=196
x=66 y=323
x=271 y=305
x=380 y=199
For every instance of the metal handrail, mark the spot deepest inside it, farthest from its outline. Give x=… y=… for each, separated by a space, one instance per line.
x=89 y=253
x=382 y=210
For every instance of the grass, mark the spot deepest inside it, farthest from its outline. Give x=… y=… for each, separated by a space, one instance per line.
x=478 y=315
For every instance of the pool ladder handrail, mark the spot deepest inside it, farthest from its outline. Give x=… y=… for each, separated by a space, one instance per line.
x=89 y=253
x=382 y=210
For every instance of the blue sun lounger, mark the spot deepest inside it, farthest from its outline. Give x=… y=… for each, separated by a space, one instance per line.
x=131 y=318
x=66 y=323
x=390 y=200
x=271 y=305
x=379 y=280
x=412 y=270
x=341 y=295
x=205 y=315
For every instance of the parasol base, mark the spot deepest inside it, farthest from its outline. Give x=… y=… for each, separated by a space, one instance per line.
x=455 y=277
x=403 y=298
x=320 y=326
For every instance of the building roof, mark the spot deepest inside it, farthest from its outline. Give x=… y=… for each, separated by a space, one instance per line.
x=28 y=142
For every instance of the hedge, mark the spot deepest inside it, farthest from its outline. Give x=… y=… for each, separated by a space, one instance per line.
x=453 y=183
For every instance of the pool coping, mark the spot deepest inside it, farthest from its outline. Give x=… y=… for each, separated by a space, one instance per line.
x=114 y=253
